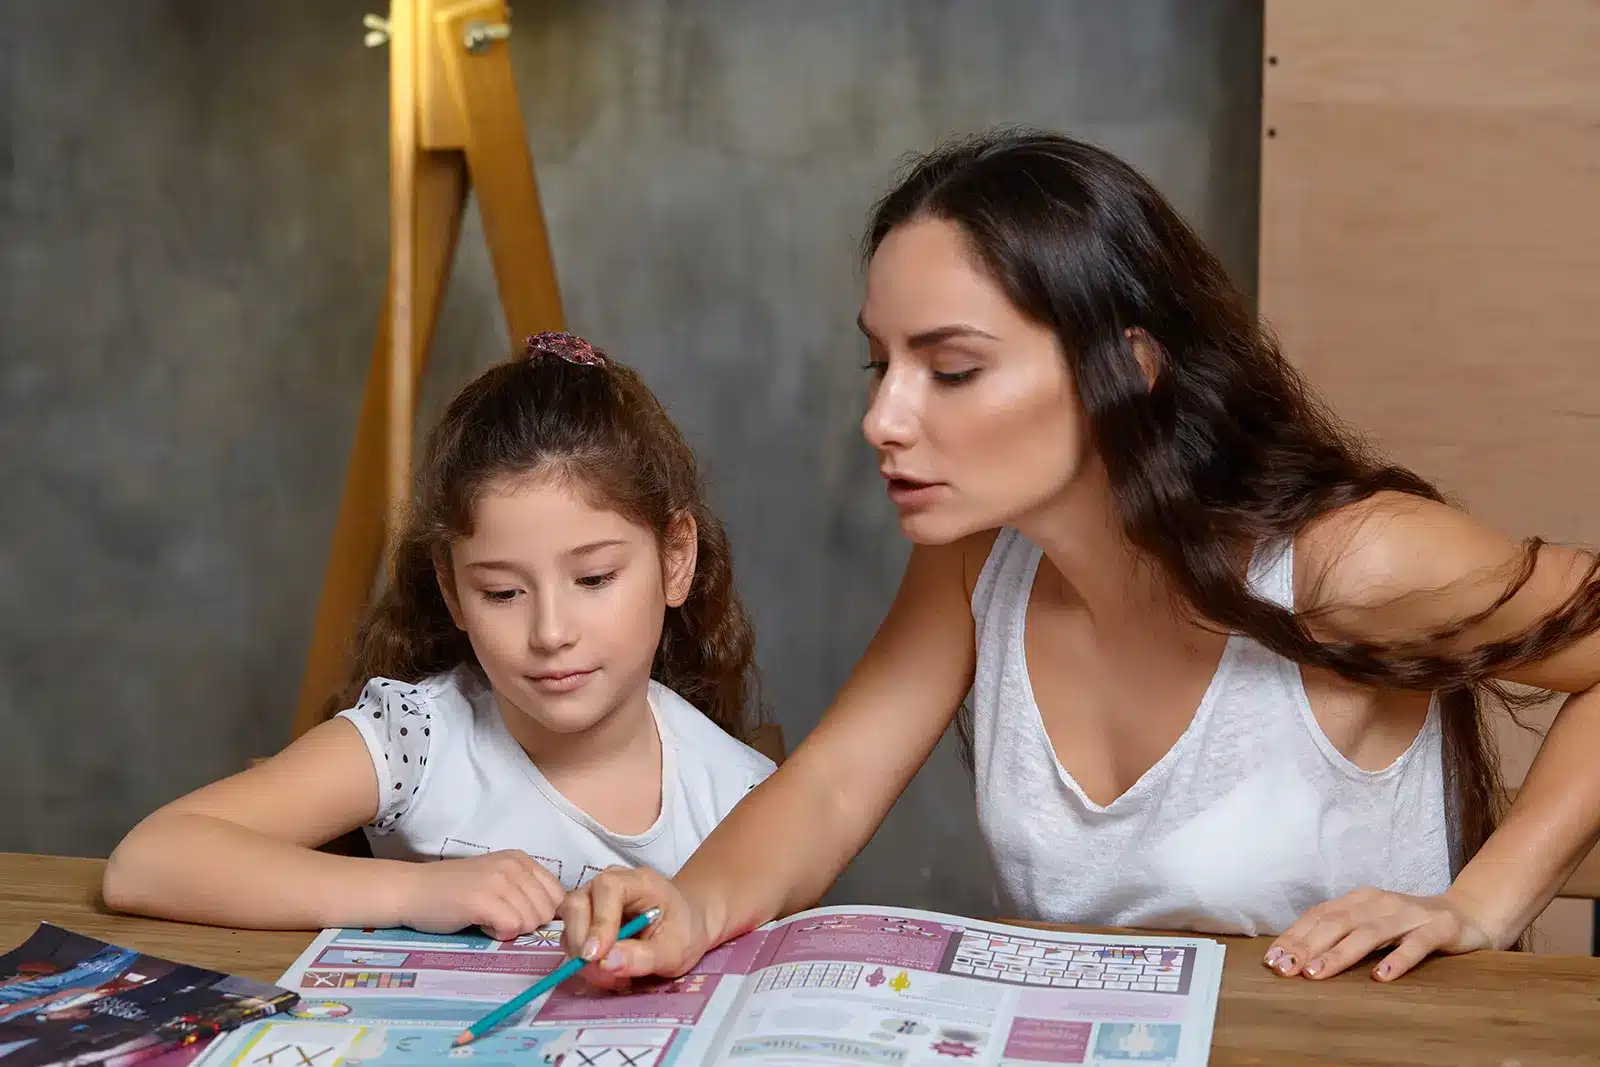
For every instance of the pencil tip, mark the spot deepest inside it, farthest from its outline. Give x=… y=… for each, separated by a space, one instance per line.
x=461 y=1039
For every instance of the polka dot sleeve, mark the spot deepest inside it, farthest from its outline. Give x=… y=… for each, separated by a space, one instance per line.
x=395 y=719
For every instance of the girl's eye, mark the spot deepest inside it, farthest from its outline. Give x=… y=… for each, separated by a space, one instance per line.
x=500 y=596
x=876 y=366
x=596 y=581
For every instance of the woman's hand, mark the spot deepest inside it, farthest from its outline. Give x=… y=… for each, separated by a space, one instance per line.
x=507 y=893
x=592 y=914
x=1332 y=937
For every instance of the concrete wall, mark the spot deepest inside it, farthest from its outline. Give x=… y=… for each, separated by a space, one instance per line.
x=194 y=253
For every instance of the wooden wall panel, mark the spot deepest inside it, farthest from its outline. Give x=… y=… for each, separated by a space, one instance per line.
x=1430 y=238
x=1430 y=242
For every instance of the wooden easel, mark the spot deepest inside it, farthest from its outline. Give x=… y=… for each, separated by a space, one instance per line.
x=454 y=123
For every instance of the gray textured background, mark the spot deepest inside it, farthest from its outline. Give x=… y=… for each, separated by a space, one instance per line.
x=194 y=250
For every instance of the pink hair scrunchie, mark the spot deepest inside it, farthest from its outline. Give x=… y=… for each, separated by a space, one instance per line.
x=567 y=346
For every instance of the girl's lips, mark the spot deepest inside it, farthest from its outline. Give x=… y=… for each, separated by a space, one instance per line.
x=561 y=681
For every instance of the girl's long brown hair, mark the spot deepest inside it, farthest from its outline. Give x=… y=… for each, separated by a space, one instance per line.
x=1229 y=449
x=594 y=422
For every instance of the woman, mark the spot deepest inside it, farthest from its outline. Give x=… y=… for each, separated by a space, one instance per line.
x=1225 y=666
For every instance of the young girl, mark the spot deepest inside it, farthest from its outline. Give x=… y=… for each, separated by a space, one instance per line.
x=1224 y=664
x=554 y=682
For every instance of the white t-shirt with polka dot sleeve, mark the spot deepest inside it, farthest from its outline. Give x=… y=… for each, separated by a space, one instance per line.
x=455 y=783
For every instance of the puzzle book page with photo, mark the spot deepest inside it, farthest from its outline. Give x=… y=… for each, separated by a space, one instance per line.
x=884 y=987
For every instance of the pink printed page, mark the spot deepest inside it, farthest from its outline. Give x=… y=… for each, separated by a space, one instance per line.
x=867 y=939
x=673 y=1002
x=893 y=986
x=738 y=956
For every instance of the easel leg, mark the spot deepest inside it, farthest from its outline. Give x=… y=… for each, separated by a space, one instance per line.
x=358 y=537
x=502 y=171
x=428 y=136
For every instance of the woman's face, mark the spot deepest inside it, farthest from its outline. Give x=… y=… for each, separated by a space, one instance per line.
x=973 y=411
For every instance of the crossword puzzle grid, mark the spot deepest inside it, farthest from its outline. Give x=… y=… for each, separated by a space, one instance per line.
x=809 y=975
x=1025 y=961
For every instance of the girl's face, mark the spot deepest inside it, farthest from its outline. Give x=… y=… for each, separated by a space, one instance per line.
x=973 y=411
x=563 y=603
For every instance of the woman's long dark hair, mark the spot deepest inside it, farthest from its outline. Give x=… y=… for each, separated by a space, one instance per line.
x=595 y=422
x=1229 y=449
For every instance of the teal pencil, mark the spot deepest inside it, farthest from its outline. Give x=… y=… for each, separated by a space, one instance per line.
x=631 y=928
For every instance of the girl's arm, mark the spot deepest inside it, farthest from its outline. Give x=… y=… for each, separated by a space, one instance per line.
x=242 y=852
x=1398 y=568
x=785 y=843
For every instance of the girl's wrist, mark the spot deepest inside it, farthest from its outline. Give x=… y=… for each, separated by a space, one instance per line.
x=367 y=892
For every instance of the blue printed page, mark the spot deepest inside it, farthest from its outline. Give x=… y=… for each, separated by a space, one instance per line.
x=398 y=998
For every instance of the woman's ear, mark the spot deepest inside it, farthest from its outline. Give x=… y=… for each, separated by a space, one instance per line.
x=679 y=555
x=445 y=575
x=1146 y=352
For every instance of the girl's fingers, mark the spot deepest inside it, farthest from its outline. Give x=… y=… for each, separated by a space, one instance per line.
x=545 y=887
x=548 y=893
x=503 y=920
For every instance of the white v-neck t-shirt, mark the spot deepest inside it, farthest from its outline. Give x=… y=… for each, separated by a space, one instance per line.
x=455 y=783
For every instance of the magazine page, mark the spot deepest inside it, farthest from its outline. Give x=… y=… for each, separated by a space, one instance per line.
x=892 y=987
x=856 y=985
x=71 y=1000
x=395 y=997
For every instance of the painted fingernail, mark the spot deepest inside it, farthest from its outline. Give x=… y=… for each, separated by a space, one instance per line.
x=1382 y=971
x=1285 y=964
x=1313 y=967
x=591 y=949
x=612 y=961
x=1273 y=956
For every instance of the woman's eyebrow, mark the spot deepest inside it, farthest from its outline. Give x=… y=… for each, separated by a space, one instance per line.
x=937 y=335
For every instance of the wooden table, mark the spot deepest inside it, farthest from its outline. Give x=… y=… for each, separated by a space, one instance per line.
x=1493 y=1008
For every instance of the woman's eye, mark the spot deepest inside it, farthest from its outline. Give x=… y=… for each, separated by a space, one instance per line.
x=595 y=581
x=954 y=377
x=876 y=366
x=500 y=596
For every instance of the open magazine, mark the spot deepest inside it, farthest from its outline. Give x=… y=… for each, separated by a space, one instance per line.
x=67 y=1000
x=883 y=987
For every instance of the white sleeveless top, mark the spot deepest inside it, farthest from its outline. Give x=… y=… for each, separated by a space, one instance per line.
x=1251 y=817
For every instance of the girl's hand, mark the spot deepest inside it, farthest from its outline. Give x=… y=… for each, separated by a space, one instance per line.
x=592 y=914
x=1332 y=937
x=507 y=893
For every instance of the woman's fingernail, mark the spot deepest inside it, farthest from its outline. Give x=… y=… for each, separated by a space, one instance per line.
x=612 y=961
x=1313 y=967
x=1274 y=956
x=591 y=949
x=1382 y=971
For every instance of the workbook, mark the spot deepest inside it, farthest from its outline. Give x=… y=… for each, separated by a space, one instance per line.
x=884 y=987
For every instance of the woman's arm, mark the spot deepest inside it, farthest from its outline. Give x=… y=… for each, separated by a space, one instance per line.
x=786 y=842
x=241 y=852
x=1399 y=568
